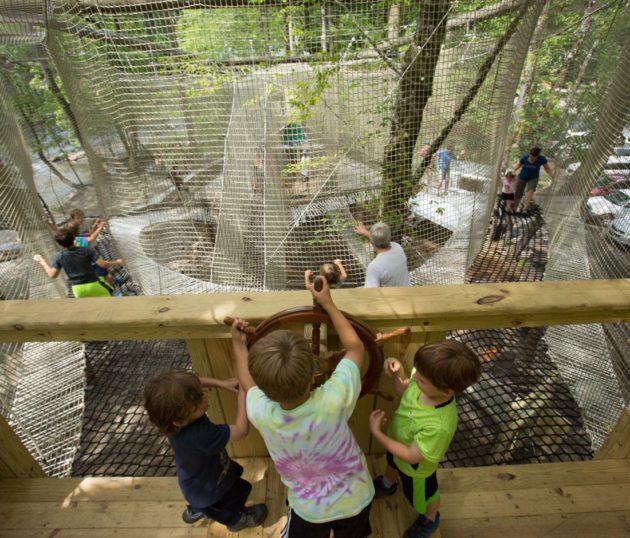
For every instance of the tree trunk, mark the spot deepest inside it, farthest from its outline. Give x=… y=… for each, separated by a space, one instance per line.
x=393 y=22
x=580 y=76
x=58 y=95
x=613 y=117
x=414 y=90
x=569 y=61
x=527 y=81
x=472 y=92
x=324 y=20
x=33 y=132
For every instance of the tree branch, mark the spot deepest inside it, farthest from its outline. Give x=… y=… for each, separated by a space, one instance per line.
x=472 y=92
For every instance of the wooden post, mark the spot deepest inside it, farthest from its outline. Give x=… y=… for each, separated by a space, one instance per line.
x=15 y=460
x=213 y=358
x=617 y=446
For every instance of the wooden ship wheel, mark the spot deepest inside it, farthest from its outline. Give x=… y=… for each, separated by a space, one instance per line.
x=325 y=359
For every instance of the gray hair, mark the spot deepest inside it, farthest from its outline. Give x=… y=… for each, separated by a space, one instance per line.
x=380 y=235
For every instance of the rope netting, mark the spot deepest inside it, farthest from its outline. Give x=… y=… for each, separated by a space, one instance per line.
x=234 y=144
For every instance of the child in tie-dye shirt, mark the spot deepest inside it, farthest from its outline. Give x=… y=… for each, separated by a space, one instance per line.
x=307 y=433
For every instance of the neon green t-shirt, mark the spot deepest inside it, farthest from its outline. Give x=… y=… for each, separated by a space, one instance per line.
x=432 y=428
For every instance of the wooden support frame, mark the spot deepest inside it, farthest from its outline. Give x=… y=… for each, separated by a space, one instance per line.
x=425 y=309
x=617 y=445
x=15 y=459
x=430 y=311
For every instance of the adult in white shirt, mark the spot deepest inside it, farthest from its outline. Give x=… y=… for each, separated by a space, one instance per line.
x=389 y=268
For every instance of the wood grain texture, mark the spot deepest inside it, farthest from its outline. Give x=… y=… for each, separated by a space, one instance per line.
x=423 y=308
x=582 y=499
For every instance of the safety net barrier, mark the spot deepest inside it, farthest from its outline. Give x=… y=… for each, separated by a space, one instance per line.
x=234 y=144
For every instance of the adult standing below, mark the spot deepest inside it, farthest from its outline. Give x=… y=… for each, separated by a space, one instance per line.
x=528 y=176
x=389 y=268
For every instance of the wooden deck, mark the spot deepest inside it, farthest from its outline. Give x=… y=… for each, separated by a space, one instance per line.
x=576 y=499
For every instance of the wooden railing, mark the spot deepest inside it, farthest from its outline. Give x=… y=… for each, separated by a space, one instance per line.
x=430 y=311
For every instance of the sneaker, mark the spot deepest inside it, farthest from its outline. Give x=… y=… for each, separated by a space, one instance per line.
x=251 y=516
x=191 y=516
x=423 y=527
x=380 y=490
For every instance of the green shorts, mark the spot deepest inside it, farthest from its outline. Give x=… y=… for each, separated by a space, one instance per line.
x=92 y=289
x=419 y=491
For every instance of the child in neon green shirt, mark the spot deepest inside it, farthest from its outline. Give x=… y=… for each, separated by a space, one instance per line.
x=423 y=426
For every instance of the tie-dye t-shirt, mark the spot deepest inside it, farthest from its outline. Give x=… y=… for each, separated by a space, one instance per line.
x=314 y=450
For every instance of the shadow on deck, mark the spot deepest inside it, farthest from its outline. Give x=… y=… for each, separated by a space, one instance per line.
x=582 y=499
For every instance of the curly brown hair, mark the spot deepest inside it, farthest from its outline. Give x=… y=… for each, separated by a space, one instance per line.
x=171 y=397
x=281 y=364
x=448 y=365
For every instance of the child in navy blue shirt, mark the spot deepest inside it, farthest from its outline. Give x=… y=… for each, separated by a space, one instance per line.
x=210 y=481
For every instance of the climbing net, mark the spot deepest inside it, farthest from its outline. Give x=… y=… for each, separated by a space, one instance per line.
x=234 y=144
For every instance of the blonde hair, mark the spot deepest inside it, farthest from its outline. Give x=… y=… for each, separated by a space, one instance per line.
x=281 y=364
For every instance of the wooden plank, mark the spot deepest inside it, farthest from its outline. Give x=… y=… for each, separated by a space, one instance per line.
x=148 y=532
x=564 y=499
x=276 y=497
x=617 y=445
x=202 y=364
x=545 y=475
x=392 y=515
x=219 y=352
x=15 y=460
x=424 y=308
x=537 y=501
x=588 y=525
x=462 y=480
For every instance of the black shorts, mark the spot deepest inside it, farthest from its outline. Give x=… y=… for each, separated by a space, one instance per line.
x=352 y=527
x=507 y=196
x=426 y=489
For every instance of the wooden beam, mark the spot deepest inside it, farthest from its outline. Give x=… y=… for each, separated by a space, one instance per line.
x=560 y=499
x=424 y=308
x=15 y=460
x=617 y=445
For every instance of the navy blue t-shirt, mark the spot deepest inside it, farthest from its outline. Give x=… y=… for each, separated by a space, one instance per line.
x=78 y=263
x=205 y=472
x=531 y=170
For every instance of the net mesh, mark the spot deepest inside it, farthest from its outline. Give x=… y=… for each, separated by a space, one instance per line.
x=234 y=144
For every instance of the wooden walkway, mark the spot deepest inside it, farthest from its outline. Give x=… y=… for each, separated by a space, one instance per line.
x=578 y=499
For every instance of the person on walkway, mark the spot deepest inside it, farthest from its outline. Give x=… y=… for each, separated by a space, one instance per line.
x=209 y=480
x=529 y=166
x=307 y=432
x=423 y=426
x=389 y=268
x=78 y=263
x=445 y=157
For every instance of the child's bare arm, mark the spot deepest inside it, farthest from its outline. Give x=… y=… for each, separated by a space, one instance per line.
x=348 y=336
x=96 y=232
x=342 y=271
x=108 y=264
x=307 y=277
x=241 y=354
x=409 y=454
x=240 y=428
x=393 y=368
x=230 y=384
x=52 y=272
